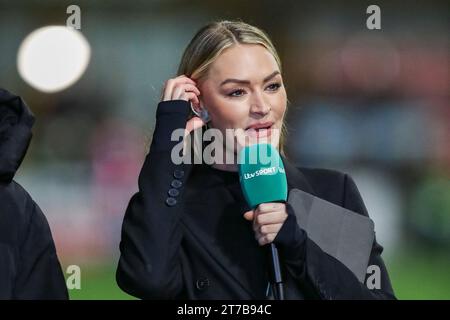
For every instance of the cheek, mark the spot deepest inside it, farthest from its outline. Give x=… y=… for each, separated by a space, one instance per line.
x=279 y=105
x=226 y=114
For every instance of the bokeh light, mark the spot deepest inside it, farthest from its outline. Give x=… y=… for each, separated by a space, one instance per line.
x=53 y=58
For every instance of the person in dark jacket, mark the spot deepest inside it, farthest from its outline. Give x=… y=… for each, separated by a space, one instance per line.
x=188 y=232
x=29 y=267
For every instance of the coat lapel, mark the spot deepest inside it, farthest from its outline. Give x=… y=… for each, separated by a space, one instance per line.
x=295 y=178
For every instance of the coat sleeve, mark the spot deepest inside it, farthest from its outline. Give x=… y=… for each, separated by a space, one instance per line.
x=149 y=265
x=39 y=274
x=320 y=275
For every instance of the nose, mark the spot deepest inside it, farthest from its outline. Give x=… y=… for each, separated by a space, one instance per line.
x=258 y=105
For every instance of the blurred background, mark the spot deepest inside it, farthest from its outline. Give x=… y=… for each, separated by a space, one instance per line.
x=373 y=103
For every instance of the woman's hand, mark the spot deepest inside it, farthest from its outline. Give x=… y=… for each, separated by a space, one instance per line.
x=268 y=218
x=183 y=88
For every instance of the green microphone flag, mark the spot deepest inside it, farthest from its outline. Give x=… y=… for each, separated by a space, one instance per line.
x=262 y=175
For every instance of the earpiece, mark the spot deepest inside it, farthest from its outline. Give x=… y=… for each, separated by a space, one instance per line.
x=203 y=114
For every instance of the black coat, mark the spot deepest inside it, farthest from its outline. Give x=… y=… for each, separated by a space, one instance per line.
x=29 y=267
x=162 y=256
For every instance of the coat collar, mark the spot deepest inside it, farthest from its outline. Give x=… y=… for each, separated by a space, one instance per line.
x=295 y=178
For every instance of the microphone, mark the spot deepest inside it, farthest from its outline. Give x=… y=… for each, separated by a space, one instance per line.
x=263 y=179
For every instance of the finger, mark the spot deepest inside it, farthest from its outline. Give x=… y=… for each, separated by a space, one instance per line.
x=187 y=87
x=249 y=215
x=193 y=124
x=191 y=88
x=172 y=83
x=181 y=89
x=269 y=228
x=177 y=93
x=184 y=79
x=270 y=218
x=270 y=207
x=168 y=87
x=266 y=239
x=190 y=96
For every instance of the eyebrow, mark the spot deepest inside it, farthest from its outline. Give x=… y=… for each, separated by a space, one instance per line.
x=273 y=74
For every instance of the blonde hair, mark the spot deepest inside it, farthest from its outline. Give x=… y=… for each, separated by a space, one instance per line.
x=212 y=39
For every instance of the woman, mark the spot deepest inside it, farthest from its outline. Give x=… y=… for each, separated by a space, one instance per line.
x=188 y=232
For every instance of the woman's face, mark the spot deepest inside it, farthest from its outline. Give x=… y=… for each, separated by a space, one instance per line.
x=244 y=90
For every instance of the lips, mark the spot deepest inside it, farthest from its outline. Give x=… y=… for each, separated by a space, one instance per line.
x=261 y=125
x=259 y=130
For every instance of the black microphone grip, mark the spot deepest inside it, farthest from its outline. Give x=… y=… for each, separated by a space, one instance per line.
x=275 y=276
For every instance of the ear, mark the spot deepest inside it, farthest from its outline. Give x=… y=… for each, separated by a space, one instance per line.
x=201 y=112
x=198 y=108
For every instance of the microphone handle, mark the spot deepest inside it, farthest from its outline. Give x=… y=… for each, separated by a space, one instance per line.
x=276 y=278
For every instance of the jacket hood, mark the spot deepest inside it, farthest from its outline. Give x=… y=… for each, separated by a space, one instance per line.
x=16 y=121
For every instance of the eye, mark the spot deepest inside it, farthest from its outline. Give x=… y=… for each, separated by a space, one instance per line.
x=237 y=93
x=274 y=86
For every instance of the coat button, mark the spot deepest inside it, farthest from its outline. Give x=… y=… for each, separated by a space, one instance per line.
x=178 y=173
x=171 y=201
x=176 y=183
x=202 y=283
x=173 y=192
